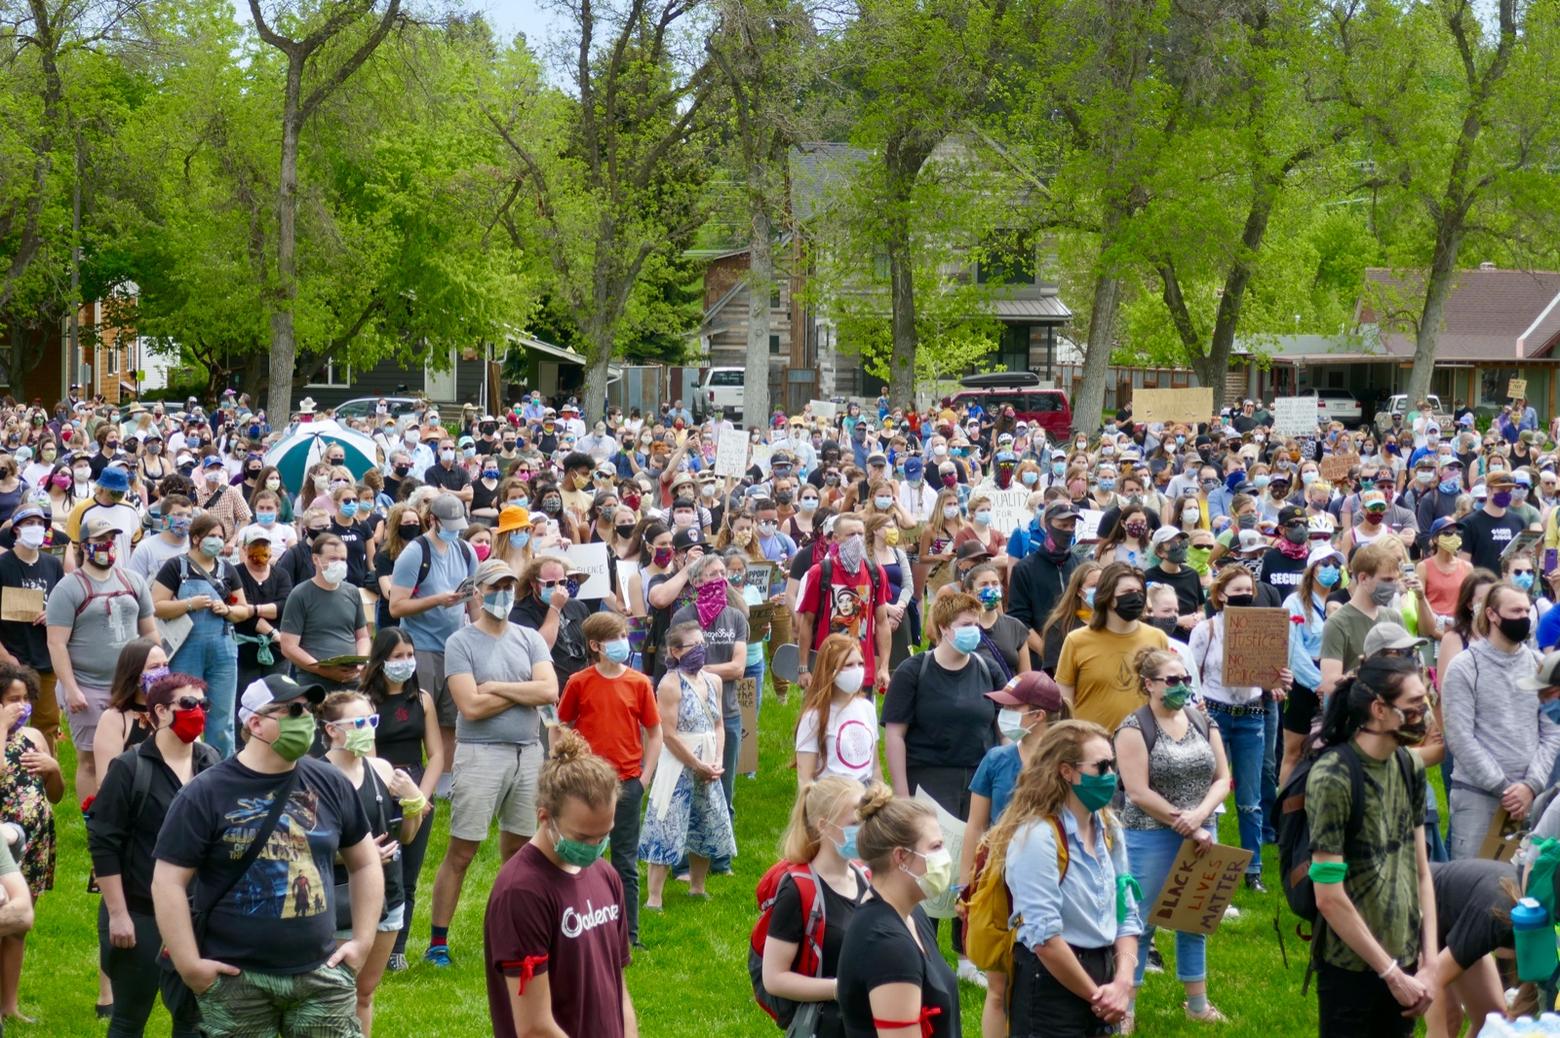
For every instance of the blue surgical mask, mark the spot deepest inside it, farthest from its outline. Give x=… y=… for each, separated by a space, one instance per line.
x=1327 y=576
x=1029 y=478
x=449 y=536
x=349 y=508
x=265 y=518
x=1522 y=580
x=847 y=847
x=1107 y=484
x=1551 y=709
x=520 y=538
x=615 y=650
x=1058 y=468
x=1088 y=597
x=1451 y=486
x=965 y=639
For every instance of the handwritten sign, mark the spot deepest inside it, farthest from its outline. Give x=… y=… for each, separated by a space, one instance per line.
x=1516 y=389
x=1198 y=890
x=760 y=575
x=824 y=409
x=1295 y=416
x=21 y=604
x=1504 y=838
x=731 y=454
x=1172 y=405
x=1338 y=466
x=747 y=700
x=1256 y=645
x=590 y=559
x=1088 y=527
x=1009 y=508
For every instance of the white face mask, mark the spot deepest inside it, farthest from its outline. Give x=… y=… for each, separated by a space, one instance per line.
x=1010 y=723
x=30 y=536
x=849 y=679
x=334 y=573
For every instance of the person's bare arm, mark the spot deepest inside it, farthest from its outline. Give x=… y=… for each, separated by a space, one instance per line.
x=782 y=980
x=170 y=899
x=16 y=911
x=530 y=1007
x=894 y=750
x=666 y=592
x=1332 y=673
x=654 y=740
x=433 y=747
x=1332 y=900
x=732 y=669
x=402 y=604
x=366 y=885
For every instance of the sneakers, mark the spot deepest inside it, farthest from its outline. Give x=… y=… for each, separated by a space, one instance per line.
x=969 y=974
x=438 y=954
x=1211 y=1015
x=1254 y=883
x=1155 y=963
x=397 y=962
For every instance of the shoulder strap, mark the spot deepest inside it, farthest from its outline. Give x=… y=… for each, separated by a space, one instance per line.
x=1063 y=855
x=262 y=834
x=1147 y=725
x=1199 y=721
x=825 y=575
x=813 y=910
x=426 y=547
x=141 y=784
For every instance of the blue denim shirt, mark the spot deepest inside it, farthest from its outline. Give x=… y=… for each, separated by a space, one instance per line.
x=1305 y=640
x=1082 y=906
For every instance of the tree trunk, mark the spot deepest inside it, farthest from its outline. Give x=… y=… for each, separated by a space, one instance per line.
x=761 y=282
x=903 y=159
x=1089 y=405
x=1236 y=281
x=1438 y=286
x=284 y=347
x=595 y=402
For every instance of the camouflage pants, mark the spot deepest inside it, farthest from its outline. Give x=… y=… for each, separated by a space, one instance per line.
x=317 y=1004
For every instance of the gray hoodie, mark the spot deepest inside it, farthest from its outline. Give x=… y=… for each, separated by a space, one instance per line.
x=1494 y=728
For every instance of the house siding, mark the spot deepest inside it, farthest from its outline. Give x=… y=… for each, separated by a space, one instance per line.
x=391 y=378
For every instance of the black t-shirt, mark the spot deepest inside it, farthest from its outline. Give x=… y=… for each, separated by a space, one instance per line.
x=355 y=536
x=568 y=651
x=950 y=722
x=453 y=479
x=298 y=563
x=384 y=817
x=273 y=590
x=280 y=917
x=384 y=566
x=804 y=560
x=1188 y=587
x=1467 y=894
x=29 y=642
x=1485 y=537
x=787 y=923
x=1282 y=572
x=482 y=496
x=879 y=950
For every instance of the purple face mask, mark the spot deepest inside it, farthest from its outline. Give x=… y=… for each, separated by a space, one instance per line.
x=23 y=717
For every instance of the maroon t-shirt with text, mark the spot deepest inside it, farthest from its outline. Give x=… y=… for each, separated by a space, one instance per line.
x=570 y=926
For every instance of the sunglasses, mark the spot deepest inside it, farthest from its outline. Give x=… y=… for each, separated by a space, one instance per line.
x=189 y=702
x=548 y=585
x=1101 y=767
x=371 y=721
x=292 y=709
x=1175 y=679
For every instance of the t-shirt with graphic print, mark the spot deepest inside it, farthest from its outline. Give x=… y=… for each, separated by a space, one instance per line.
x=850 y=609
x=569 y=926
x=280 y=917
x=850 y=744
x=1383 y=879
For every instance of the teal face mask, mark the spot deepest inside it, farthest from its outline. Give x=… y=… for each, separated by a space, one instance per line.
x=1176 y=696
x=577 y=852
x=1095 y=791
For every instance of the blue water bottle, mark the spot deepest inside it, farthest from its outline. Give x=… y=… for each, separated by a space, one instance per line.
x=1535 y=938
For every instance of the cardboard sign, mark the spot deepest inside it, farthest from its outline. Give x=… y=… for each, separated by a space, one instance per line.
x=626 y=572
x=760 y=575
x=1295 y=416
x=1172 y=405
x=1517 y=388
x=747 y=699
x=1256 y=645
x=590 y=559
x=1088 y=527
x=823 y=409
x=1503 y=840
x=1198 y=890
x=760 y=456
x=21 y=604
x=1334 y=467
x=1522 y=544
x=731 y=453
x=1009 y=508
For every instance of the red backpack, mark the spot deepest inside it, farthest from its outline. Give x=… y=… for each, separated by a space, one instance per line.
x=809 y=957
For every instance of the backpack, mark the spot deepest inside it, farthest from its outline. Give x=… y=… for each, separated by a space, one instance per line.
x=426 y=564
x=1150 y=729
x=809 y=956
x=1294 y=828
x=90 y=587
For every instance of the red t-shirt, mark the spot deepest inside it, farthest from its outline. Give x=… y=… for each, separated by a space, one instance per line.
x=852 y=607
x=572 y=927
x=609 y=713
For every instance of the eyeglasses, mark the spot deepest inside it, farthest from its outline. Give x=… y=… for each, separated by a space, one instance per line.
x=189 y=702
x=371 y=721
x=1520 y=572
x=292 y=709
x=1100 y=767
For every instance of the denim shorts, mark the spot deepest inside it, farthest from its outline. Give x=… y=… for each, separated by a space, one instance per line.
x=391 y=923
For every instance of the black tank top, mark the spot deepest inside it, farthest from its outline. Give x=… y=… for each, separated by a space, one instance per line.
x=384 y=816
x=399 y=737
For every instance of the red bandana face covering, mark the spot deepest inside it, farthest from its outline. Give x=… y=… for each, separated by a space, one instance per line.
x=711 y=600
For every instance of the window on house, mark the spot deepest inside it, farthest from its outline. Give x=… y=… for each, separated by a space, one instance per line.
x=774 y=298
x=774 y=345
x=1006 y=258
x=335 y=374
x=1013 y=348
x=111 y=361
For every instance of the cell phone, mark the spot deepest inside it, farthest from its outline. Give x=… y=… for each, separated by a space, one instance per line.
x=466 y=587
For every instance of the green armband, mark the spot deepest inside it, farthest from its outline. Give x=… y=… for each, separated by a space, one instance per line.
x=1329 y=871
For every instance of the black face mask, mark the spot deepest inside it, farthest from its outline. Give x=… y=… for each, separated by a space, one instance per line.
x=402 y=470
x=1130 y=605
x=1239 y=601
x=783 y=498
x=1517 y=629
x=1061 y=538
x=1176 y=554
x=624 y=530
x=1166 y=624
x=1295 y=534
x=410 y=531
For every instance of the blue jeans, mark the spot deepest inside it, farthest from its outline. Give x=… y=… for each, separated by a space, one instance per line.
x=210 y=653
x=1245 y=742
x=1270 y=775
x=1151 y=853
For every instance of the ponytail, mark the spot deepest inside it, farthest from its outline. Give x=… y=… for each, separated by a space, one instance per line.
x=1348 y=708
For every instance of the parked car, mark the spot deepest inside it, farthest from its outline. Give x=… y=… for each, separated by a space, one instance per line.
x=402 y=408
x=1339 y=405
x=1046 y=408
x=720 y=389
x=1398 y=405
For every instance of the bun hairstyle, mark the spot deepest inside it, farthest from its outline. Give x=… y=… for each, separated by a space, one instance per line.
x=1348 y=708
x=572 y=770
x=816 y=804
x=1147 y=663
x=888 y=822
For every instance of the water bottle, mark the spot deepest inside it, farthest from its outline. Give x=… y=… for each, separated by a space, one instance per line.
x=1535 y=938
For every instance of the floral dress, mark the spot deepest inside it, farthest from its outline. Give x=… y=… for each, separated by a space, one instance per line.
x=686 y=814
x=23 y=801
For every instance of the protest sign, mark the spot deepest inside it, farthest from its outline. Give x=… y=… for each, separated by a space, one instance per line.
x=731 y=458
x=1172 y=405
x=747 y=700
x=1198 y=890
x=21 y=604
x=1295 y=416
x=1504 y=838
x=1517 y=389
x=823 y=409
x=590 y=559
x=953 y=839
x=1338 y=466
x=1009 y=508
x=1088 y=528
x=1256 y=645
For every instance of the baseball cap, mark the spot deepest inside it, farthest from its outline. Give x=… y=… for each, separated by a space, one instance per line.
x=1373 y=497
x=1164 y=535
x=1061 y=510
x=1033 y=688
x=1547 y=676
x=1289 y=514
x=1321 y=553
x=492 y=571
x=211 y=461
x=99 y=527
x=449 y=511
x=1442 y=523
x=1450 y=462
x=1250 y=541
x=29 y=511
x=877 y=458
x=1500 y=479
x=114 y=479
x=686 y=538
x=273 y=689
x=1390 y=636
x=252 y=534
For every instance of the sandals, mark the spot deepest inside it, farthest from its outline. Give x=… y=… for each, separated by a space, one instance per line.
x=1211 y=1015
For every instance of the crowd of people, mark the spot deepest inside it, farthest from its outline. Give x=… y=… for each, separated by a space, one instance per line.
x=273 y=672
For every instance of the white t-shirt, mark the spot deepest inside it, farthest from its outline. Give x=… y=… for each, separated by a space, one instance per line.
x=850 y=746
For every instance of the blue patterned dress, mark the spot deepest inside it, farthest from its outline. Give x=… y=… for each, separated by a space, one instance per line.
x=685 y=815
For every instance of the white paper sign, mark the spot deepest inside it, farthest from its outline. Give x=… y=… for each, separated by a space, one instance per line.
x=731 y=454
x=626 y=571
x=824 y=409
x=591 y=559
x=1008 y=507
x=1295 y=416
x=1088 y=528
x=953 y=840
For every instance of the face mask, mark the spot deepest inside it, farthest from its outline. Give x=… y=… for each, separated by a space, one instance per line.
x=1260 y=482
x=400 y=670
x=990 y=597
x=950 y=511
x=1522 y=580
x=1058 y=468
x=1135 y=529
x=1296 y=534
x=448 y=536
x=852 y=551
x=102 y=555
x=1190 y=515
x=1327 y=576
x=1383 y=593
x=847 y=846
x=577 y=853
x=334 y=573
x=1501 y=498
x=498 y=603
x=1410 y=733
x=1107 y=484
x=982 y=518
x=294 y=736
x=935 y=880
x=82 y=475
x=31 y=536
x=1095 y=791
x=1030 y=478
x=808 y=505
x=1010 y=723
x=1246 y=522
x=662 y=557
x=965 y=639
x=1177 y=696
x=359 y=741
x=849 y=680
x=1130 y=605
x=1516 y=629
x=692 y=659
x=1374 y=518
x=882 y=502
x=211 y=546
x=615 y=650
x=1307 y=478
x=1239 y=601
x=188 y=725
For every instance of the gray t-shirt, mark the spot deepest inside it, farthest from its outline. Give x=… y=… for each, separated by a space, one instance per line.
x=720 y=639
x=151 y=553
x=508 y=657
x=104 y=625
x=325 y=621
x=431 y=628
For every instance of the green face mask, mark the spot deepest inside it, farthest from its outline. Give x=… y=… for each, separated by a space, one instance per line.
x=1177 y=696
x=576 y=852
x=360 y=741
x=294 y=736
x=1095 y=791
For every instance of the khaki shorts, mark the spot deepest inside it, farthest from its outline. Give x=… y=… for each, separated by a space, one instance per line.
x=83 y=723
x=494 y=780
x=430 y=678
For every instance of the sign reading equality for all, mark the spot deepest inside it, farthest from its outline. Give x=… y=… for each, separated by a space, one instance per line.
x=1295 y=416
x=1256 y=645
x=1172 y=405
x=1198 y=889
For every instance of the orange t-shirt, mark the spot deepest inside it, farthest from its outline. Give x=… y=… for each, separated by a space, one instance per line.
x=609 y=713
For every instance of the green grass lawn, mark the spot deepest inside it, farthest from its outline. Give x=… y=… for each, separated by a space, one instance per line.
x=692 y=980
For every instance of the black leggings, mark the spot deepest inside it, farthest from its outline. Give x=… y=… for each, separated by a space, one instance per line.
x=411 y=864
x=133 y=974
